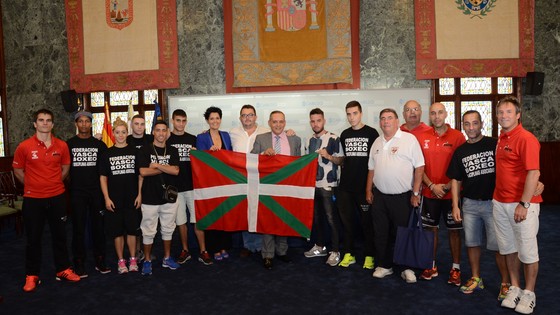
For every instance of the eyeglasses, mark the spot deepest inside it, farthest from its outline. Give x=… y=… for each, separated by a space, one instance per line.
x=413 y=109
x=247 y=115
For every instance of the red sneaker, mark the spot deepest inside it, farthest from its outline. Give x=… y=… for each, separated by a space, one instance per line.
x=205 y=258
x=67 y=275
x=454 y=277
x=428 y=274
x=31 y=283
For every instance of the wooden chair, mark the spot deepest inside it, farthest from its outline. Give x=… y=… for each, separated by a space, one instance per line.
x=10 y=202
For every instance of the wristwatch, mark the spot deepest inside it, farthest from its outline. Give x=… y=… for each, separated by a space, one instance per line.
x=525 y=205
x=416 y=194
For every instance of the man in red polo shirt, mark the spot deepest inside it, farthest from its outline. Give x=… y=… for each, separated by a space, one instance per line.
x=516 y=209
x=412 y=113
x=40 y=164
x=438 y=145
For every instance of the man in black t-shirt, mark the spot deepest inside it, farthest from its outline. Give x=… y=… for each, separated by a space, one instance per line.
x=184 y=142
x=473 y=168
x=158 y=165
x=138 y=138
x=356 y=142
x=85 y=195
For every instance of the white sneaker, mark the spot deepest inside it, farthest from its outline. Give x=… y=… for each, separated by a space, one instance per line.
x=527 y=303
x=334 y=259
x=381 y=272
x=316 y=251
x=512 y=298
x=408 y=276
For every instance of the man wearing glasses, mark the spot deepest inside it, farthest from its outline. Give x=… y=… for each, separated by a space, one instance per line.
x=242 y=140
x=412 y=113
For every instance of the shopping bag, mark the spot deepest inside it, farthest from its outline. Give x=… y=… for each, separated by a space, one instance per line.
x=414 y=247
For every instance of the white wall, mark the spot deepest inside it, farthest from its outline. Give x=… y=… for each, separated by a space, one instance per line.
x=296 y=107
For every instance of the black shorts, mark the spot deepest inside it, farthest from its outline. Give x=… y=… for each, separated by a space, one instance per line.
x=122 y=222
x=434 y=209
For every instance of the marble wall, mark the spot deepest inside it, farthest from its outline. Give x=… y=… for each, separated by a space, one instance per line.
x=37 y=61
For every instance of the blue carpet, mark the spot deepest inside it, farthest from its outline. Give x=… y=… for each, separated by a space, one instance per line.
x=243 y=286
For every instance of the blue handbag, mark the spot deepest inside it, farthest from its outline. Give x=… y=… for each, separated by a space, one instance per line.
x=414 y=247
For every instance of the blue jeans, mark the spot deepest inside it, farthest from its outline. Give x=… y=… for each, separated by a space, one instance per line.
x=477 y=217
x=252 y=241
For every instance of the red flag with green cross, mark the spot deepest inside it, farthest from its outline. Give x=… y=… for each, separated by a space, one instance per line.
x=256 y=193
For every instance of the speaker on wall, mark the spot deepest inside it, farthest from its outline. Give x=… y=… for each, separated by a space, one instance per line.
x=534 y=83
x=69 y=100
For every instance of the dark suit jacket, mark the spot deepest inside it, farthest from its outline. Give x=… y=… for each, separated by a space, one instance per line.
x=204 y=141
x=264 y=141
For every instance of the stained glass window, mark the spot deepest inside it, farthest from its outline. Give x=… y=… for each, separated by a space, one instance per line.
x=485 y=110
x=476 y=86
x=97 y=123
x=97 y=99
x=98 y=118
x=505 y=85
x=123 y=98
x=149 y=116
x=122 y=115
x=450 y=108
x=150 y=96
x=447 y=86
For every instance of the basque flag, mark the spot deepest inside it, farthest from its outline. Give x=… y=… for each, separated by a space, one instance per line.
x=258 y=193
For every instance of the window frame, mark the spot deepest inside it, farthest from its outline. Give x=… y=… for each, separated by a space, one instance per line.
x=457 y=98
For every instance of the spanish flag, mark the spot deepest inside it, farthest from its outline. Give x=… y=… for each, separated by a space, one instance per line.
x=107 y=132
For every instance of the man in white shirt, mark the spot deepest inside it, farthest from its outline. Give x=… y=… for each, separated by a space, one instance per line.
x=242 y=140
x=396 y=166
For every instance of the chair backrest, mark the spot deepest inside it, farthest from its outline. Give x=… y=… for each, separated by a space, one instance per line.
x=8 y=190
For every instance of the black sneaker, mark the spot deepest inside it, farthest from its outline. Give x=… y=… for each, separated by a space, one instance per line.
x=100 y=265
x=79 y=269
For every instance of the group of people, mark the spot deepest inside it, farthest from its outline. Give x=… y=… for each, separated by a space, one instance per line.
x=479 y=185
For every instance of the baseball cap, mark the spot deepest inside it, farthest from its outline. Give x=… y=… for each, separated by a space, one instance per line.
x=83 y=113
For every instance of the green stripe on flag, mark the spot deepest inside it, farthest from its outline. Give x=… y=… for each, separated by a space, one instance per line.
x=289 y=169
x=220 y=211
x=219 y=166
x=285 y=216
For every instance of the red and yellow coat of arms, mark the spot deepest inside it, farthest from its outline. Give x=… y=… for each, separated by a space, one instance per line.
x=119 y=13
x=291 y=15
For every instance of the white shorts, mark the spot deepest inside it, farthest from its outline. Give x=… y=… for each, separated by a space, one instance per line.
x=190 y=205
x=166 y=213
x=185 y=200
x=181 y=208
x=515 y=237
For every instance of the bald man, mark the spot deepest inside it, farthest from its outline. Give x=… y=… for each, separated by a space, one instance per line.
x=438 y=145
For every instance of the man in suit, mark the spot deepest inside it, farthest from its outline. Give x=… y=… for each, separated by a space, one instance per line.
x=272 y=143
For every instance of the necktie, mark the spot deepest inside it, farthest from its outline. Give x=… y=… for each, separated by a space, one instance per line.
x=277 y=147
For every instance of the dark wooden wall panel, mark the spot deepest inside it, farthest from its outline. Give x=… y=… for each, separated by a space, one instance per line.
x=550 y=171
